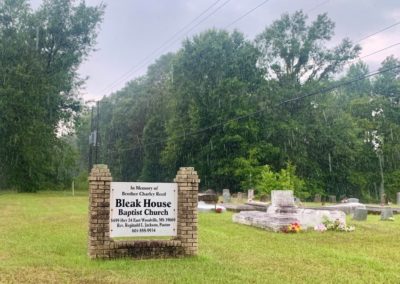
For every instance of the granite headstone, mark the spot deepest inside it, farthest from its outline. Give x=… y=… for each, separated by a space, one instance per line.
x=226 y=194
x=360 y=214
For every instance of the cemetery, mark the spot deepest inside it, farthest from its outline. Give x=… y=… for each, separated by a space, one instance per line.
x=259 y=143
x=49 y=244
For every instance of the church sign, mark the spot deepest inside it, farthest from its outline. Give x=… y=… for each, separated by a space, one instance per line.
x=142 y=220
x=139 y=209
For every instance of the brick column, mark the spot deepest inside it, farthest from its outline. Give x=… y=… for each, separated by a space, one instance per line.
x=99 y=212
x=188 y=186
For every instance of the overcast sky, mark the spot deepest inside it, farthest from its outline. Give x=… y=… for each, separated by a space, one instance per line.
x=133 y=29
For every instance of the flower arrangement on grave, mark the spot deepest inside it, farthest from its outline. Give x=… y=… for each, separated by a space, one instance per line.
x=291 y=228
x=218 y=210
x=337 y=225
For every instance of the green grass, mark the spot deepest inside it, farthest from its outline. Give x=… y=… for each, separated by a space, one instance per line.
x=43 y=239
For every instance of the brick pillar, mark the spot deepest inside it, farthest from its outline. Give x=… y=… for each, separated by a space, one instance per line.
x=99 y=212
x=188 y=187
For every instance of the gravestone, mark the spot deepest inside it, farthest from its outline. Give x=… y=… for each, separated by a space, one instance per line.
x=209 y=196
x=283 y=212
x=386 y=214
x=384 y=199
x=317 y=198
x=240 y=196
x=282 y=198
x=346 y=207
x=360 y=214
x=353 y=200
x=332 y=198
x=250 y=194
x=398 y=198
x=226 y=195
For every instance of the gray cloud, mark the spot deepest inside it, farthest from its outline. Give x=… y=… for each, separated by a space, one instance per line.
x=132 y=29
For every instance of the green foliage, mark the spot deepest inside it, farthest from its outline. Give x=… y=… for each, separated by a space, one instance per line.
x=41 y=52
x=294 y=52
x=285 y=179
x=217 y=105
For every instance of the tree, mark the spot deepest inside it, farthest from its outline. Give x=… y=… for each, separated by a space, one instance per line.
x=41 y=51
x=296 y=61
x=285 y=179
x=294 y=52
x=214 y=80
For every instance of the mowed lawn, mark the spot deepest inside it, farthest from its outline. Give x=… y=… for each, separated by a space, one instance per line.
x=43 y=239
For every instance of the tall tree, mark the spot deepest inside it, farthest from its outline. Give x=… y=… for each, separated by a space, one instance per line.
x=294 y=52
x=41 y=51
x=215 y=78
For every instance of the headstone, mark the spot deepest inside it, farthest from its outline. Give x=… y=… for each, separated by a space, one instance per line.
x=264 y=198
x=226 y=194
x=360 y=214
x=398 y=198
x=332 y=198
x=383 y=199
x=250 y=194
x=346 y=207
x=282 y=198
x=240 y=196
x=283 y=212
x=386 y=214
x=353 y=200
x=317 y=198
x=209 y=196
x=210 y=191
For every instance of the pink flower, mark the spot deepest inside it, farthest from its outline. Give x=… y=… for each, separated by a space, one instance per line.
x=320 y=228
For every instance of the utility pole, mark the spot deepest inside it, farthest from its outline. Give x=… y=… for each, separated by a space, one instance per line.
x=91 y=138
x=97 y=144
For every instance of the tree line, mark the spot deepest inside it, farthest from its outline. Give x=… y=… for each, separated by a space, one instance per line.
x=281 y=111
x=230 y=107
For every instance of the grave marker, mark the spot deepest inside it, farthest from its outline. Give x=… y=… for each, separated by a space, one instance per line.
x=317 y=198
x=250 y=194
x=227 y=195
x=332 y=198
x=386 y=214
x=360 y=214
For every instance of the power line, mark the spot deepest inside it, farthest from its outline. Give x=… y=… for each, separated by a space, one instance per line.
x=335 y=86
x=317 y=6
x=380 y=50
x=375 y=33
x=238 y=118
x=246 y=14
x=145 y=60
x=169 y=42
x=372 y=53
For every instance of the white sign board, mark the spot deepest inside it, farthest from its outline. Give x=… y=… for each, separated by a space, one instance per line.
x=139 y=209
